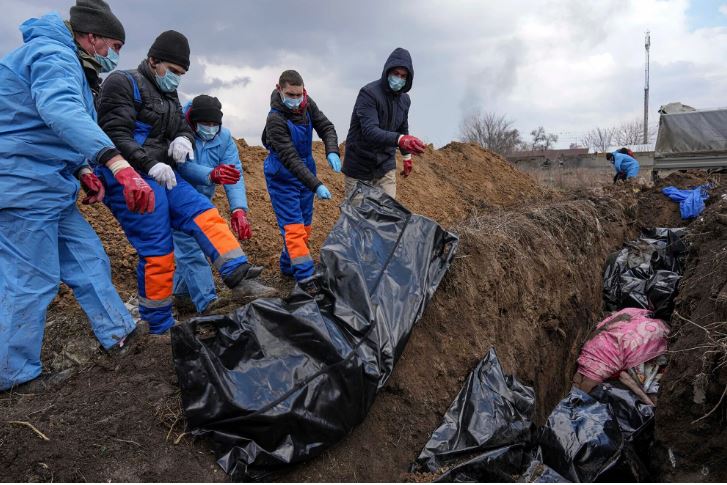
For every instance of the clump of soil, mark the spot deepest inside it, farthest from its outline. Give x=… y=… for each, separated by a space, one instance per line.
x=691 y=415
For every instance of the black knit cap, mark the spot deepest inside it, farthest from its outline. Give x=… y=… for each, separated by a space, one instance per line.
x=95 y=17
x=171 y=46
x=206 y=108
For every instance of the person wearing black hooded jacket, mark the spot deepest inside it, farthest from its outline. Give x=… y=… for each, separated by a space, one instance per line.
x=380 y=124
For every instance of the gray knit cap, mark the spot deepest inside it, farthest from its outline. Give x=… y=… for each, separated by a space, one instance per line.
x=95 y=17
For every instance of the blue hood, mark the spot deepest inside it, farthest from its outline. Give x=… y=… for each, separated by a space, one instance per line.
x=49 y=26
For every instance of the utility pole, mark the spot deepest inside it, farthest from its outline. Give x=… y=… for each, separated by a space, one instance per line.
x=647 y=45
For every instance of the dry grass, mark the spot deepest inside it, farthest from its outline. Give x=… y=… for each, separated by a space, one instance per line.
x=546 y=235
x=571 y=178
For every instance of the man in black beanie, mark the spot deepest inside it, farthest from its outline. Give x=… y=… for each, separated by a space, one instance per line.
x=140 y=112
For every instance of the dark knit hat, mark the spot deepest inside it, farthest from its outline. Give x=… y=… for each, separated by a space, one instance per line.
x=171 y=46
x=205 y=108
x=95 y=17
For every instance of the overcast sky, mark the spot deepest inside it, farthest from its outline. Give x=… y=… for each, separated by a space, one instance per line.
x=567 y=65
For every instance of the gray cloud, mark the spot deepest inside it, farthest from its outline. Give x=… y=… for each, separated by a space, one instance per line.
x=528 y=59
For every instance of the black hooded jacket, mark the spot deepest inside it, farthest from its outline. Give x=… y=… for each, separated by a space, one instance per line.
x=118 y=113
x=379 y=116
x=276 y=136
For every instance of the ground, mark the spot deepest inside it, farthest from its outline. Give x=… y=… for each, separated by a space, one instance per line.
x=527 y=280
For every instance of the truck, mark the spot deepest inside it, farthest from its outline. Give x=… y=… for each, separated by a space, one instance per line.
x=690 y=139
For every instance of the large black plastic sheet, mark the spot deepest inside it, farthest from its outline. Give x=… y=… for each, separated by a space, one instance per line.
x=492 y=410
x=279 y=381
x=646 y=272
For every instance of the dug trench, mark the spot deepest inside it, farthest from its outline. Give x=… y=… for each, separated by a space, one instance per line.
x=526 y=280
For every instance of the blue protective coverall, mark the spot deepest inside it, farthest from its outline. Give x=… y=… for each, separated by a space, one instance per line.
x=293 y=203
x=193 y=275
x=47 y=130
x=626 y=164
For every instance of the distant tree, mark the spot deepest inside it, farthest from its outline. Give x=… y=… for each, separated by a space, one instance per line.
x=491 y=131
x=598 y=139
x=574 y=145
x=543 y=140
x=632 y=133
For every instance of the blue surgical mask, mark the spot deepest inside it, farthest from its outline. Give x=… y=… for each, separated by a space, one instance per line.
x=396 y=83
x=109 y=61
x=207 y=132
x=168 y=82
x=291 y=103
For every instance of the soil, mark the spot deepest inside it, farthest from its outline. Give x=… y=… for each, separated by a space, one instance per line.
x=696 y=380
x=527 y=280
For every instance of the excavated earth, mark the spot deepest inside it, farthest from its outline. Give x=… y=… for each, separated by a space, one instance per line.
x=527 y=280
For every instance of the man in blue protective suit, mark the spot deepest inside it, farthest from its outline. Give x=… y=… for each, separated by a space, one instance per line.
x=48 y=131
x=290 y=171
x=216 y=162
x=625 y=165
x=140 y=111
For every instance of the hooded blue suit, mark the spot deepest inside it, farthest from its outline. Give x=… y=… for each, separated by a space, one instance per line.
x=48 y=131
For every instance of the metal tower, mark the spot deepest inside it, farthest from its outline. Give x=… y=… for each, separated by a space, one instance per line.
x=647 y=45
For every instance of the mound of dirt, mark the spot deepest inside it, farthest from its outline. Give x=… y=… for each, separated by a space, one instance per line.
x=692 y=407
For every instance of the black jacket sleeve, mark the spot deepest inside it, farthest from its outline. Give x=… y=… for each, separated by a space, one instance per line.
x=117 y=117
x=278 y=138
x=323 y=126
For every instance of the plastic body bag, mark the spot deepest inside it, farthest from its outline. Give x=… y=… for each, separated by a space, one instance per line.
x=645 y=273
x=279 y=381
x=492 y=410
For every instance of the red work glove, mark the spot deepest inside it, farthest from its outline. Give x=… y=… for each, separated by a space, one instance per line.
x=137 y=193
x=240 y=225
x=411 y=144
x=407 y=168
x=93 y=187
x=225 y=174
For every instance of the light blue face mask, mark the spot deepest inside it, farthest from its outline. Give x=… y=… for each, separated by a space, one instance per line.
x=291 y=103
x=207 y=132
x=169 y=82
x=108 y=62
x=396 y=83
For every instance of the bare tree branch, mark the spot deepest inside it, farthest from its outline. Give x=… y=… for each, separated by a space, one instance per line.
x=491 y=131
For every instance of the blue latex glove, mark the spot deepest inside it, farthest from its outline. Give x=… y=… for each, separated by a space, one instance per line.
x=322 y=192
x=334 y=161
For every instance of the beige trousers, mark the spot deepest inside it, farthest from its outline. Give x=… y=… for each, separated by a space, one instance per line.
x=387 y=183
